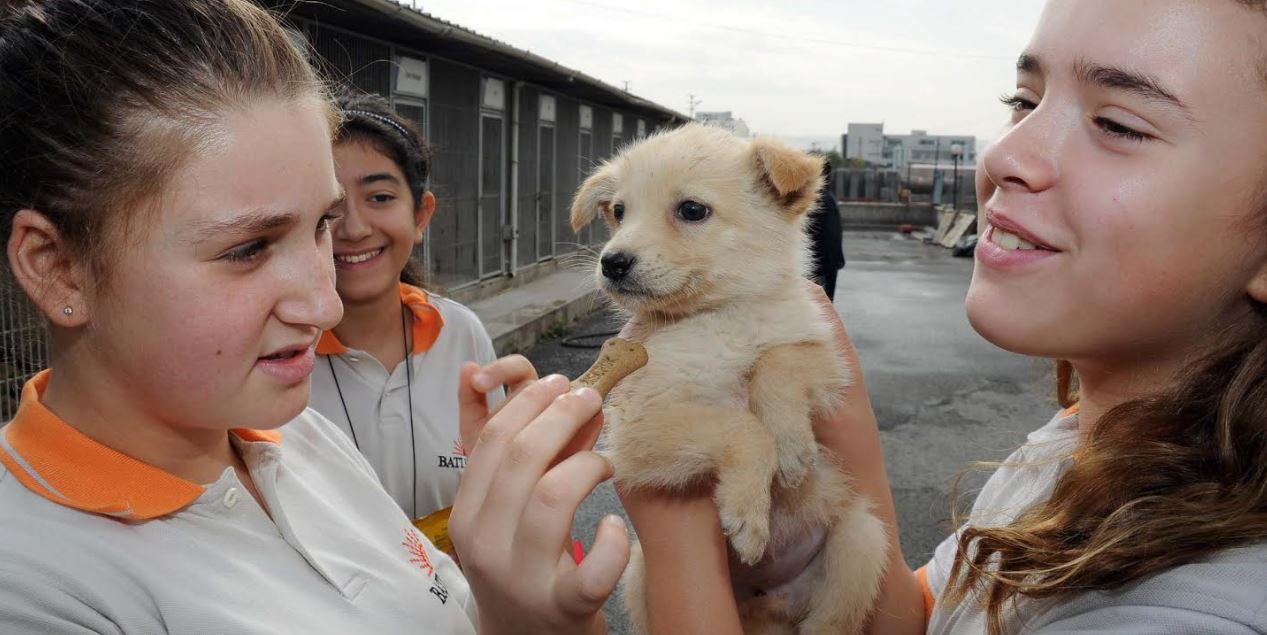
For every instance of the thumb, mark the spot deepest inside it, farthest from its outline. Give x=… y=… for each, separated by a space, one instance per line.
x=472 y=407
x=582 y=591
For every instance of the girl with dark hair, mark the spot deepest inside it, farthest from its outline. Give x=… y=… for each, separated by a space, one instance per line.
x=387 y=374
x=167 y=190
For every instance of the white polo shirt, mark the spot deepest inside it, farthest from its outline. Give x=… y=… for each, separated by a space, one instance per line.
x=372 y=406
x=1225 y=593
x=93 y=541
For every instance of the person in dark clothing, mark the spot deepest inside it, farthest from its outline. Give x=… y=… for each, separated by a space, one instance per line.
x=825 y=233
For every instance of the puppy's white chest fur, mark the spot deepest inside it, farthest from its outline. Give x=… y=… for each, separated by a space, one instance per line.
x=708 y=357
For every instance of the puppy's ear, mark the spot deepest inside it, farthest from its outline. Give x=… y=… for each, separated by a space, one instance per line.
x=593 y=197
x=792 y=177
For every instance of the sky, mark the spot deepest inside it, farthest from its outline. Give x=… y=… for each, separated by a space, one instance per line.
x=798 y=69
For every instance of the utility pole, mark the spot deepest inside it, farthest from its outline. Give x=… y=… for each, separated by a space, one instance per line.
x=937 y=164
x=694 y=102
x=626 y=85
x=910 y=187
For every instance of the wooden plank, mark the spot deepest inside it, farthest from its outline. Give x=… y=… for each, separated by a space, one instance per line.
x=957 y=229
x=945 y=220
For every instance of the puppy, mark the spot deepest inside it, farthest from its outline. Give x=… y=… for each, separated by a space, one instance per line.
x=707 y=255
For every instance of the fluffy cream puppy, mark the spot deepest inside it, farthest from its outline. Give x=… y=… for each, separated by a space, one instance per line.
x=707 y=256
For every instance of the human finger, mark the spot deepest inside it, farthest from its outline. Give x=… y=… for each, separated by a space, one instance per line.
x=547 y=518
x=513 y=370
x=533 y=449
x=582 y=591
x=585 y=439
x=487 y=452
x=472 y=406
x=626 y=330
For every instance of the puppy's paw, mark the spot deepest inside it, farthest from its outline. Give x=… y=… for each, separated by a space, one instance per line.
x=795 y=450
x=746 y=521
x=748 y=537
x=795 y=462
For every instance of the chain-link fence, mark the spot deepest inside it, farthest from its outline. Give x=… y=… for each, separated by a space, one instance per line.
x=23 y=345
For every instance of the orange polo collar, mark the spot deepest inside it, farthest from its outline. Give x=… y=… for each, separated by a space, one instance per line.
x=426 y=328
x=63 y=465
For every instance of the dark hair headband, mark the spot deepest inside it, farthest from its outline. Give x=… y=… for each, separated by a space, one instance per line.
x=387 y=120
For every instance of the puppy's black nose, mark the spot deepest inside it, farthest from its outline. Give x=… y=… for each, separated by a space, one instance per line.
x=617 y=265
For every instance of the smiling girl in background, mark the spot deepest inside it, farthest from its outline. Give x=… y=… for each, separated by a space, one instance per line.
x=388 y=373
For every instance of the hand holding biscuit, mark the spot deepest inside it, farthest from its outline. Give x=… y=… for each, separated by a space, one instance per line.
x=530 y=465
x=514 y=511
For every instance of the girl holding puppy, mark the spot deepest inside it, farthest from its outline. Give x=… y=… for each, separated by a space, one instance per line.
x=388 y=373
x=167 y=190
x=1124 y=218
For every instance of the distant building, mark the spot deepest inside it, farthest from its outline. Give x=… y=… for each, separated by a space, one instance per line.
x=725 y=120
x=869 y=143
x=919 y=147
x=865 y=141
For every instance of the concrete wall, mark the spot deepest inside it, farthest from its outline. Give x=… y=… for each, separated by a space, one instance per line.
x=885 y=215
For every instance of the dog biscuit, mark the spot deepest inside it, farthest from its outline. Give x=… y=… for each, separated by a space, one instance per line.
x=616 y=360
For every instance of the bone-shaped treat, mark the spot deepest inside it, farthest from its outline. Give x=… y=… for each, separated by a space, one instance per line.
x=616 y=360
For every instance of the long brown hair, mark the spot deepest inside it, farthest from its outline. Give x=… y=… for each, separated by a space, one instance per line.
x=1159 y=482
x=102 y=100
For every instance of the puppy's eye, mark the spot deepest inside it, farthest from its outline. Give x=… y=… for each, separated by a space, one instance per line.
x=692 y=211
x=618 y=210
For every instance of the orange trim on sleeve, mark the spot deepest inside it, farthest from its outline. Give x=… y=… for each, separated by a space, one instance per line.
x=65 y=466
x=930 y=601
x=1065 y=414
x=426 y=325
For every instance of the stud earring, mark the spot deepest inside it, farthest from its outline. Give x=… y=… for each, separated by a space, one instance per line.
x=68 y=311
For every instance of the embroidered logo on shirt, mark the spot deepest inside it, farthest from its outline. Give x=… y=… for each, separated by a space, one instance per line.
x=418 y=552
x=418 y=555
x=457 y=460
